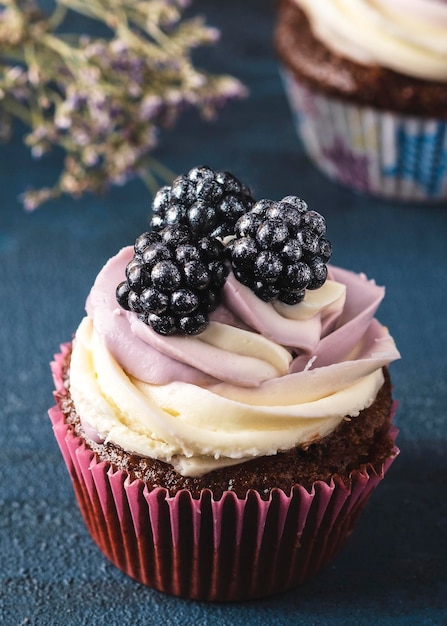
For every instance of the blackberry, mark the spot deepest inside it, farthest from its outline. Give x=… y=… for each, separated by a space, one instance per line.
x=280 y=250
x=208 y=202
x=174 y=280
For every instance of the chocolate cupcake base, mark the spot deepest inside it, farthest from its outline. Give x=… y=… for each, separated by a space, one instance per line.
x=336 y=76
x=366 y=127
x=210 y=547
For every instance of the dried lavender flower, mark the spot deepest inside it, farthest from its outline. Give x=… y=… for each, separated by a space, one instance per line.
x=103 y=100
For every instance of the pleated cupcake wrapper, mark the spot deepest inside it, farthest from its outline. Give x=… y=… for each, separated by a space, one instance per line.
x=377 y=152
x=225 y=549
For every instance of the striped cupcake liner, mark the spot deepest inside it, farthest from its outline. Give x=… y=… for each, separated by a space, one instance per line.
x=376 y=152
x=227 y=549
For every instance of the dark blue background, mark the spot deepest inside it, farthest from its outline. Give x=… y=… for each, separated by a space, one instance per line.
x=394 y=568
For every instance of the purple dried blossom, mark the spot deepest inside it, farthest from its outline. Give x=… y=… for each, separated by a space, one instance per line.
x=94 y=49
x=62 y=119
x=150 y=107
x=81 y=136
x=90 y=157
x=75 y=99
x=16 y=82
x=34 y=198
x=41 y=139
x=89 y=75
x=212 y=35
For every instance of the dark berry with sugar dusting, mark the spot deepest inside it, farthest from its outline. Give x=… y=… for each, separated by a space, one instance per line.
x=174 y=280
x=122 y=295
x=144 y=240
x=280 y=249
x=325 y=249
x=208 y=202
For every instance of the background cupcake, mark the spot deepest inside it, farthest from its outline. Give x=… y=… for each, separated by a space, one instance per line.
x=368 y=85
x=225 y=412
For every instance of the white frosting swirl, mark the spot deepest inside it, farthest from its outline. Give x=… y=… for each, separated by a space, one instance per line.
x=262 y=378
x=408 y=36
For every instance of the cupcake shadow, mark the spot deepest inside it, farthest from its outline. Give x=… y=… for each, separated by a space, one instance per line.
x=398 y=547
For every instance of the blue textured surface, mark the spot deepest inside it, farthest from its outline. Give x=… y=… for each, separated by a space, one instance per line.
x=394 y=568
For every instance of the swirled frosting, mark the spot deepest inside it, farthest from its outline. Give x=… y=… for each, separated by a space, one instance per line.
x=408 y=36
x=262 y=378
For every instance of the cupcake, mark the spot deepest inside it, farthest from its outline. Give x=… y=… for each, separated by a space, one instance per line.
x=367 y=84
x=225 y=408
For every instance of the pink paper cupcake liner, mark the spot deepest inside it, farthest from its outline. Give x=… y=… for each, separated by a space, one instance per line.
x=226 y=549
x=377 y=152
